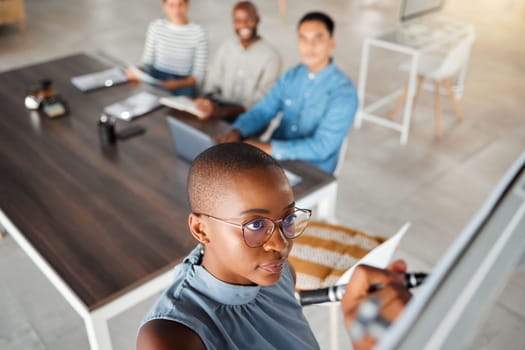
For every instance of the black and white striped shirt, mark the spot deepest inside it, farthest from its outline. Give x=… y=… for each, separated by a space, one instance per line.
x=176 y=49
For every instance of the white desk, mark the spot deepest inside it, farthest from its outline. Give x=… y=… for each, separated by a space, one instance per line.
x=412 y=38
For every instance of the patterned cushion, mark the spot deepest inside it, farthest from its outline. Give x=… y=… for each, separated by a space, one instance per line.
x=324 y=252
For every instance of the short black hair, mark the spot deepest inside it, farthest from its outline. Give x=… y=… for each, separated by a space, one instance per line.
x=215 y=167
x=247 y=4
x=320 y=17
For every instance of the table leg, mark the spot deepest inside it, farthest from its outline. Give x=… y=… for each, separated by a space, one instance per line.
x=97 y=321
x=363 y=71
x=326 y=206
x=98 y=332
x=333 y=312
x=407 y=114
x=323 y=202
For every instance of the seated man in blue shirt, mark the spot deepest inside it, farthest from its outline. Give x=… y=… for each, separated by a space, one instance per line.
x=317 y=100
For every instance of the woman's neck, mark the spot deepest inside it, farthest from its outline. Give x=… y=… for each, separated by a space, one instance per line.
x=179 y=21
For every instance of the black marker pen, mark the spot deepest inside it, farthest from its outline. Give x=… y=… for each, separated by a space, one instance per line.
x=335 y=293
x=412 y=280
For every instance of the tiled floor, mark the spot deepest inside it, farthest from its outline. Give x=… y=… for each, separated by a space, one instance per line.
x=437 y=185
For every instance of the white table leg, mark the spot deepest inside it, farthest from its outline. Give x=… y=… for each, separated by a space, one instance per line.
x=333 y=310
x=327 y=203
x=363 y=71
x=407 y=113
x=97 y=331
x=97 y=321
x=323 y=202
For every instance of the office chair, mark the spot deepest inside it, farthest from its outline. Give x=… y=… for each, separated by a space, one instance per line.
x=322 y=254
x=441 y=67
x=341 y=157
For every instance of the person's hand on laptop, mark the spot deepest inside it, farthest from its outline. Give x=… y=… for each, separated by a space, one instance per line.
x=206 y=106
x=233 y=136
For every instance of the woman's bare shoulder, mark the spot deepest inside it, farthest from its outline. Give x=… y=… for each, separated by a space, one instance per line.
x=166 y=334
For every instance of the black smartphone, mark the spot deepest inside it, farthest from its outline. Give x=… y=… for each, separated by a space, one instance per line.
x=130 y=131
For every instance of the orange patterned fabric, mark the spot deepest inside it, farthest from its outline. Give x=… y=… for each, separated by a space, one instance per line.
x=325 y=251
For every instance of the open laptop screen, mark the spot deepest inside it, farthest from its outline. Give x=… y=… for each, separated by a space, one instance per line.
x=189 y=141
x=414 y=8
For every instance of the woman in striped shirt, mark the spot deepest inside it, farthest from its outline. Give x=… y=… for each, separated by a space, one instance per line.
x=176 y=50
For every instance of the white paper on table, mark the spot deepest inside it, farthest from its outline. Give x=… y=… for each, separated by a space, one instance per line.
x=380 y=256
x=182 y=103
x=143 y=76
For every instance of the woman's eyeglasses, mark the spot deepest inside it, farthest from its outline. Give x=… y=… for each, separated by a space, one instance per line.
x=258 y=231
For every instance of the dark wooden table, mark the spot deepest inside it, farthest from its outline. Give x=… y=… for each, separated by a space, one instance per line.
x=100 y=222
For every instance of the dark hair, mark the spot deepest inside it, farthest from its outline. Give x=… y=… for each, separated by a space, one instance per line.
x=247 y=4
x=320 y=17
x=215 y=166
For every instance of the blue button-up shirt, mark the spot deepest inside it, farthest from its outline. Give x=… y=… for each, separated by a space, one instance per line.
x=318 y=111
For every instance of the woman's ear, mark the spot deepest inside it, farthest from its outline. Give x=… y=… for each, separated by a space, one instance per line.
x=198 y=228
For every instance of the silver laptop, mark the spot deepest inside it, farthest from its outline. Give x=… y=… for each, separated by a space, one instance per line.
x=411 y=9
x=134 y=106
x=190 y=141
x=97 y=80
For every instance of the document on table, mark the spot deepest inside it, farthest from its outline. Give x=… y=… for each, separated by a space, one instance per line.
x=182 y=103
x=96 y=80
x=380 y=256
x=133 y=106
x=143 y=76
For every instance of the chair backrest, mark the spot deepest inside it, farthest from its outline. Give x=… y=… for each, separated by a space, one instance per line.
x=272 y=126
x=456 y=58
x=324 y=252
x=341 y=157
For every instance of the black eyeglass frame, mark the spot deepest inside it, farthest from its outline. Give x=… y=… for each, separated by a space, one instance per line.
x=276 y=223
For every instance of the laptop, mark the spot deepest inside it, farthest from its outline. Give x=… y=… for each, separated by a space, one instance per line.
x=411 y=9
x=133 y=106
x=190 y=142
x=460 y=291
x=422 y=24
x=101 y=79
